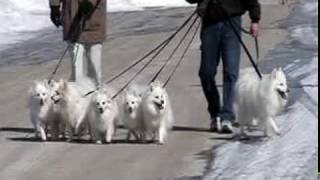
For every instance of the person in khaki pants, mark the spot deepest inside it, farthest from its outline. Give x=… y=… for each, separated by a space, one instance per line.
x=84 y=28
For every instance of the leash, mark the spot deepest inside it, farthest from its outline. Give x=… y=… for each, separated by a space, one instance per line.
x=174 y=51
x=182 y=56
x=256 y=41
x=157 y=50
x=153 y=50
x=140 y=71
x=160 y=50
x=255 y=66
x=59 y=63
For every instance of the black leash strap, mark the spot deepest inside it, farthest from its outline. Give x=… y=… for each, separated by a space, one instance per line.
x=256 y=68
x=153 y=50
x=140 y=71
x=174 y=51
x=256 y=40
x=157 y=53
x=183 y=55
x=59 y=63
x=157 y=50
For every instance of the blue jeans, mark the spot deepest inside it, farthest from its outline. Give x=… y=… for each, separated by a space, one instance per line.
x=219 y=41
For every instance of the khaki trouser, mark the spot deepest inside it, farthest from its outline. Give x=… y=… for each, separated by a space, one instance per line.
x=91 y=67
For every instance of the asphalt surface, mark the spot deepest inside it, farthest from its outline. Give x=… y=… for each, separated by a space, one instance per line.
x=187 y=152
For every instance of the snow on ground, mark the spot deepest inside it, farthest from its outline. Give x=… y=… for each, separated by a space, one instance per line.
x=294 y=155
x=21 y=19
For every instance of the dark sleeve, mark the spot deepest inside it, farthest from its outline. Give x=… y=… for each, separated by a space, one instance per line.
x=254 y=8
x=194 y=1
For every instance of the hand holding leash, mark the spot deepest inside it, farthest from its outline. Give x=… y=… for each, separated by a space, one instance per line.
x=255 y=29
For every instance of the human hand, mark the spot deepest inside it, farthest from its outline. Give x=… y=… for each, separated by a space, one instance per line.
x=55 y=16
x=255 y=29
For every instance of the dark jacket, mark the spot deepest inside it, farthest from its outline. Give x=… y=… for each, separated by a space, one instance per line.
x=74 y=11
x=219 y=10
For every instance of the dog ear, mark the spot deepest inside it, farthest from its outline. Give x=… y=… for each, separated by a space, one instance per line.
x=274 y=73
x=281 y=70
x=31 y=90
x=157 y=83
x=51 y=82
x=35 y=82
x=63 y=84
x=151 y=88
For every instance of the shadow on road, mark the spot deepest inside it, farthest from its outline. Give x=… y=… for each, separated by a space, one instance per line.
x=16 y=129
x=194 y=129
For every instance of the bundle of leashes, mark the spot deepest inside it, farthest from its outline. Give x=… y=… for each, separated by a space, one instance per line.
x=154 y=53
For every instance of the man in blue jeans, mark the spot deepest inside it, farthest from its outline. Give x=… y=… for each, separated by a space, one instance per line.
x=219 y=41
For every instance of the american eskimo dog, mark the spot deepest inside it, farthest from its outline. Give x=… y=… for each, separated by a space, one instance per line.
x=132 y=112
x=259 y=101
x=103 y=116
x=41 y=108
x=157 y=112
x=73 y=105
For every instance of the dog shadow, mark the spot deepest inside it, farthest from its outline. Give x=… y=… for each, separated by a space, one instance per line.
x=249 y=139
x=191 y=129
x=35 y=139
x=16 y=129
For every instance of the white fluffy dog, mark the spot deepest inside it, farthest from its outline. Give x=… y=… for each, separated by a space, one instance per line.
x=73 y=105
x=157 y=112
x=41 y=108
x=261 y=100
x=103 y=116
x=132 y=112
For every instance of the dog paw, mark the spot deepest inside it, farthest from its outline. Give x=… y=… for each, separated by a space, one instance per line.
x=160 y=142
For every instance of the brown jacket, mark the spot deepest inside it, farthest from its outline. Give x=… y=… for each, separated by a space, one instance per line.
x=92 y=12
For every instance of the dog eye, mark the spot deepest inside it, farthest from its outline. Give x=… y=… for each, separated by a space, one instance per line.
x=43 y=94
x=38 y=94
x=281 y=84
x=97 y=104
x=57 y=93
x=103 y=103
x=157 y=97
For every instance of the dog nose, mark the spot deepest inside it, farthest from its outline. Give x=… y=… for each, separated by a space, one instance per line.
x=162 y=102
x=41 y=102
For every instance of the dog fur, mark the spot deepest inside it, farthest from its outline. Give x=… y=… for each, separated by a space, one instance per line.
x=42 y=113
x=103 y=116
x=157 y=112
x=73 y=106
x=132 y=112
x=259 y=101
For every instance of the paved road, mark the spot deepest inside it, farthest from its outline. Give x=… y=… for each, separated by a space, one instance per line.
x=131 y=34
